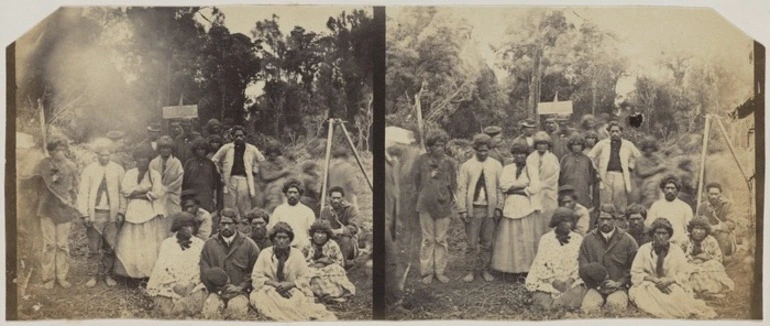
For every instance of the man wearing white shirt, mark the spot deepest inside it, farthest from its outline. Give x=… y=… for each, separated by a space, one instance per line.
x=671 y=208
x=103 y=208
x=294 y=213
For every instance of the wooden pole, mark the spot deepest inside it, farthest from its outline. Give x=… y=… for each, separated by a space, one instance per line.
x=730 y=146
x=418 y=108
x=326 y=166
x=355 y=154
x=702 y=163
x=43 y=129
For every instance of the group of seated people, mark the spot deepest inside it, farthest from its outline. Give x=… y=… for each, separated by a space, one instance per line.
x=627 y=258
x=226 y=274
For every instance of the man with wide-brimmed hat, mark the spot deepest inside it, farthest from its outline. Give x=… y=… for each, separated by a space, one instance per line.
x=153 y=133
x=528 y=129
x=559 y=147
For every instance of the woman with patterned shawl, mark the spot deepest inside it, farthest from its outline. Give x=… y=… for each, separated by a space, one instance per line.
x=702 y=250
x=328 y=279
x=175 y=284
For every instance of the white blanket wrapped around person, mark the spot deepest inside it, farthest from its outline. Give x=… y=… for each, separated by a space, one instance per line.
x=281 y=281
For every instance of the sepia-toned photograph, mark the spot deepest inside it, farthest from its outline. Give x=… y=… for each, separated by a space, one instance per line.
x=548 y=163
x=193 y=163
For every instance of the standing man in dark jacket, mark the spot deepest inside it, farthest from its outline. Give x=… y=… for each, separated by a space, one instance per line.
x=236 y=254
x=435 y=178
x=615 y=250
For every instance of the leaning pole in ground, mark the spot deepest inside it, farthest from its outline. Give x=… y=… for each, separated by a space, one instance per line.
x=355 y=154
x=702 y=163
x=326 y=163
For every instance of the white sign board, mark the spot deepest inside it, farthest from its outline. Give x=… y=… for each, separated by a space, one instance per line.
x=560 y=108
x=180 y=112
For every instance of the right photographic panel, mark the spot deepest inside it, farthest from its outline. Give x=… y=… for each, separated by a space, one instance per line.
x=575 y=162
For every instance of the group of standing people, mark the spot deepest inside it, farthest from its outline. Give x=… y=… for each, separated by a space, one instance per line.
x=191 y=220
x=562 y=214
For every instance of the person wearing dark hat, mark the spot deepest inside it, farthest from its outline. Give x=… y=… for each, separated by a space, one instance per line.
x=612 y=158
x=496 y=133
x=635 y=215
x=708 y=276
x=528 y=129
x=201 y=176
x=175 y=283
x=172 y=171
x=258 y=219
x=102 y=206
x=672 y=208
x=578 y=171
x=559 y=147
x=569 y=199
x=480 y=205
x=660 y=277
x=236 y=254
x=553 y=278
x=328 y=279
x=281 y=281
x=543 y=168
x=614 y=249
x=191 y=205
x=236 y=161
x=343 y=219
x=151 y=140
x=183 y=141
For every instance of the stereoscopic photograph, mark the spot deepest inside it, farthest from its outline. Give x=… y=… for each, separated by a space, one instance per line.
x=193 y=163
x=572 y=162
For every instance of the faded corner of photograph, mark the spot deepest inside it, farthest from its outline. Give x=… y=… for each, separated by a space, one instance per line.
x=194 y=163
x=571 y=163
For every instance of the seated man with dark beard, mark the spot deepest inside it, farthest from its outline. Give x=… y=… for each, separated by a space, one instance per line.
x=635 y=216
x=257 y=219
x=281 y=281
x=343 y=219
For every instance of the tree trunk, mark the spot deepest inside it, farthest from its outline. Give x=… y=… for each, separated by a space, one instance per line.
x=533 y=85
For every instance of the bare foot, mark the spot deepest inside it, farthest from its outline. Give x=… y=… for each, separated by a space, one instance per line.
x=91 y=283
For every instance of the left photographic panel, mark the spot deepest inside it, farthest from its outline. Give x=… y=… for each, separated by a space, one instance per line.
x=192 y=163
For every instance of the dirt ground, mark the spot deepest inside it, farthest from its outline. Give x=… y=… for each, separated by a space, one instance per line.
x=128 y=301
x=505 y=299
